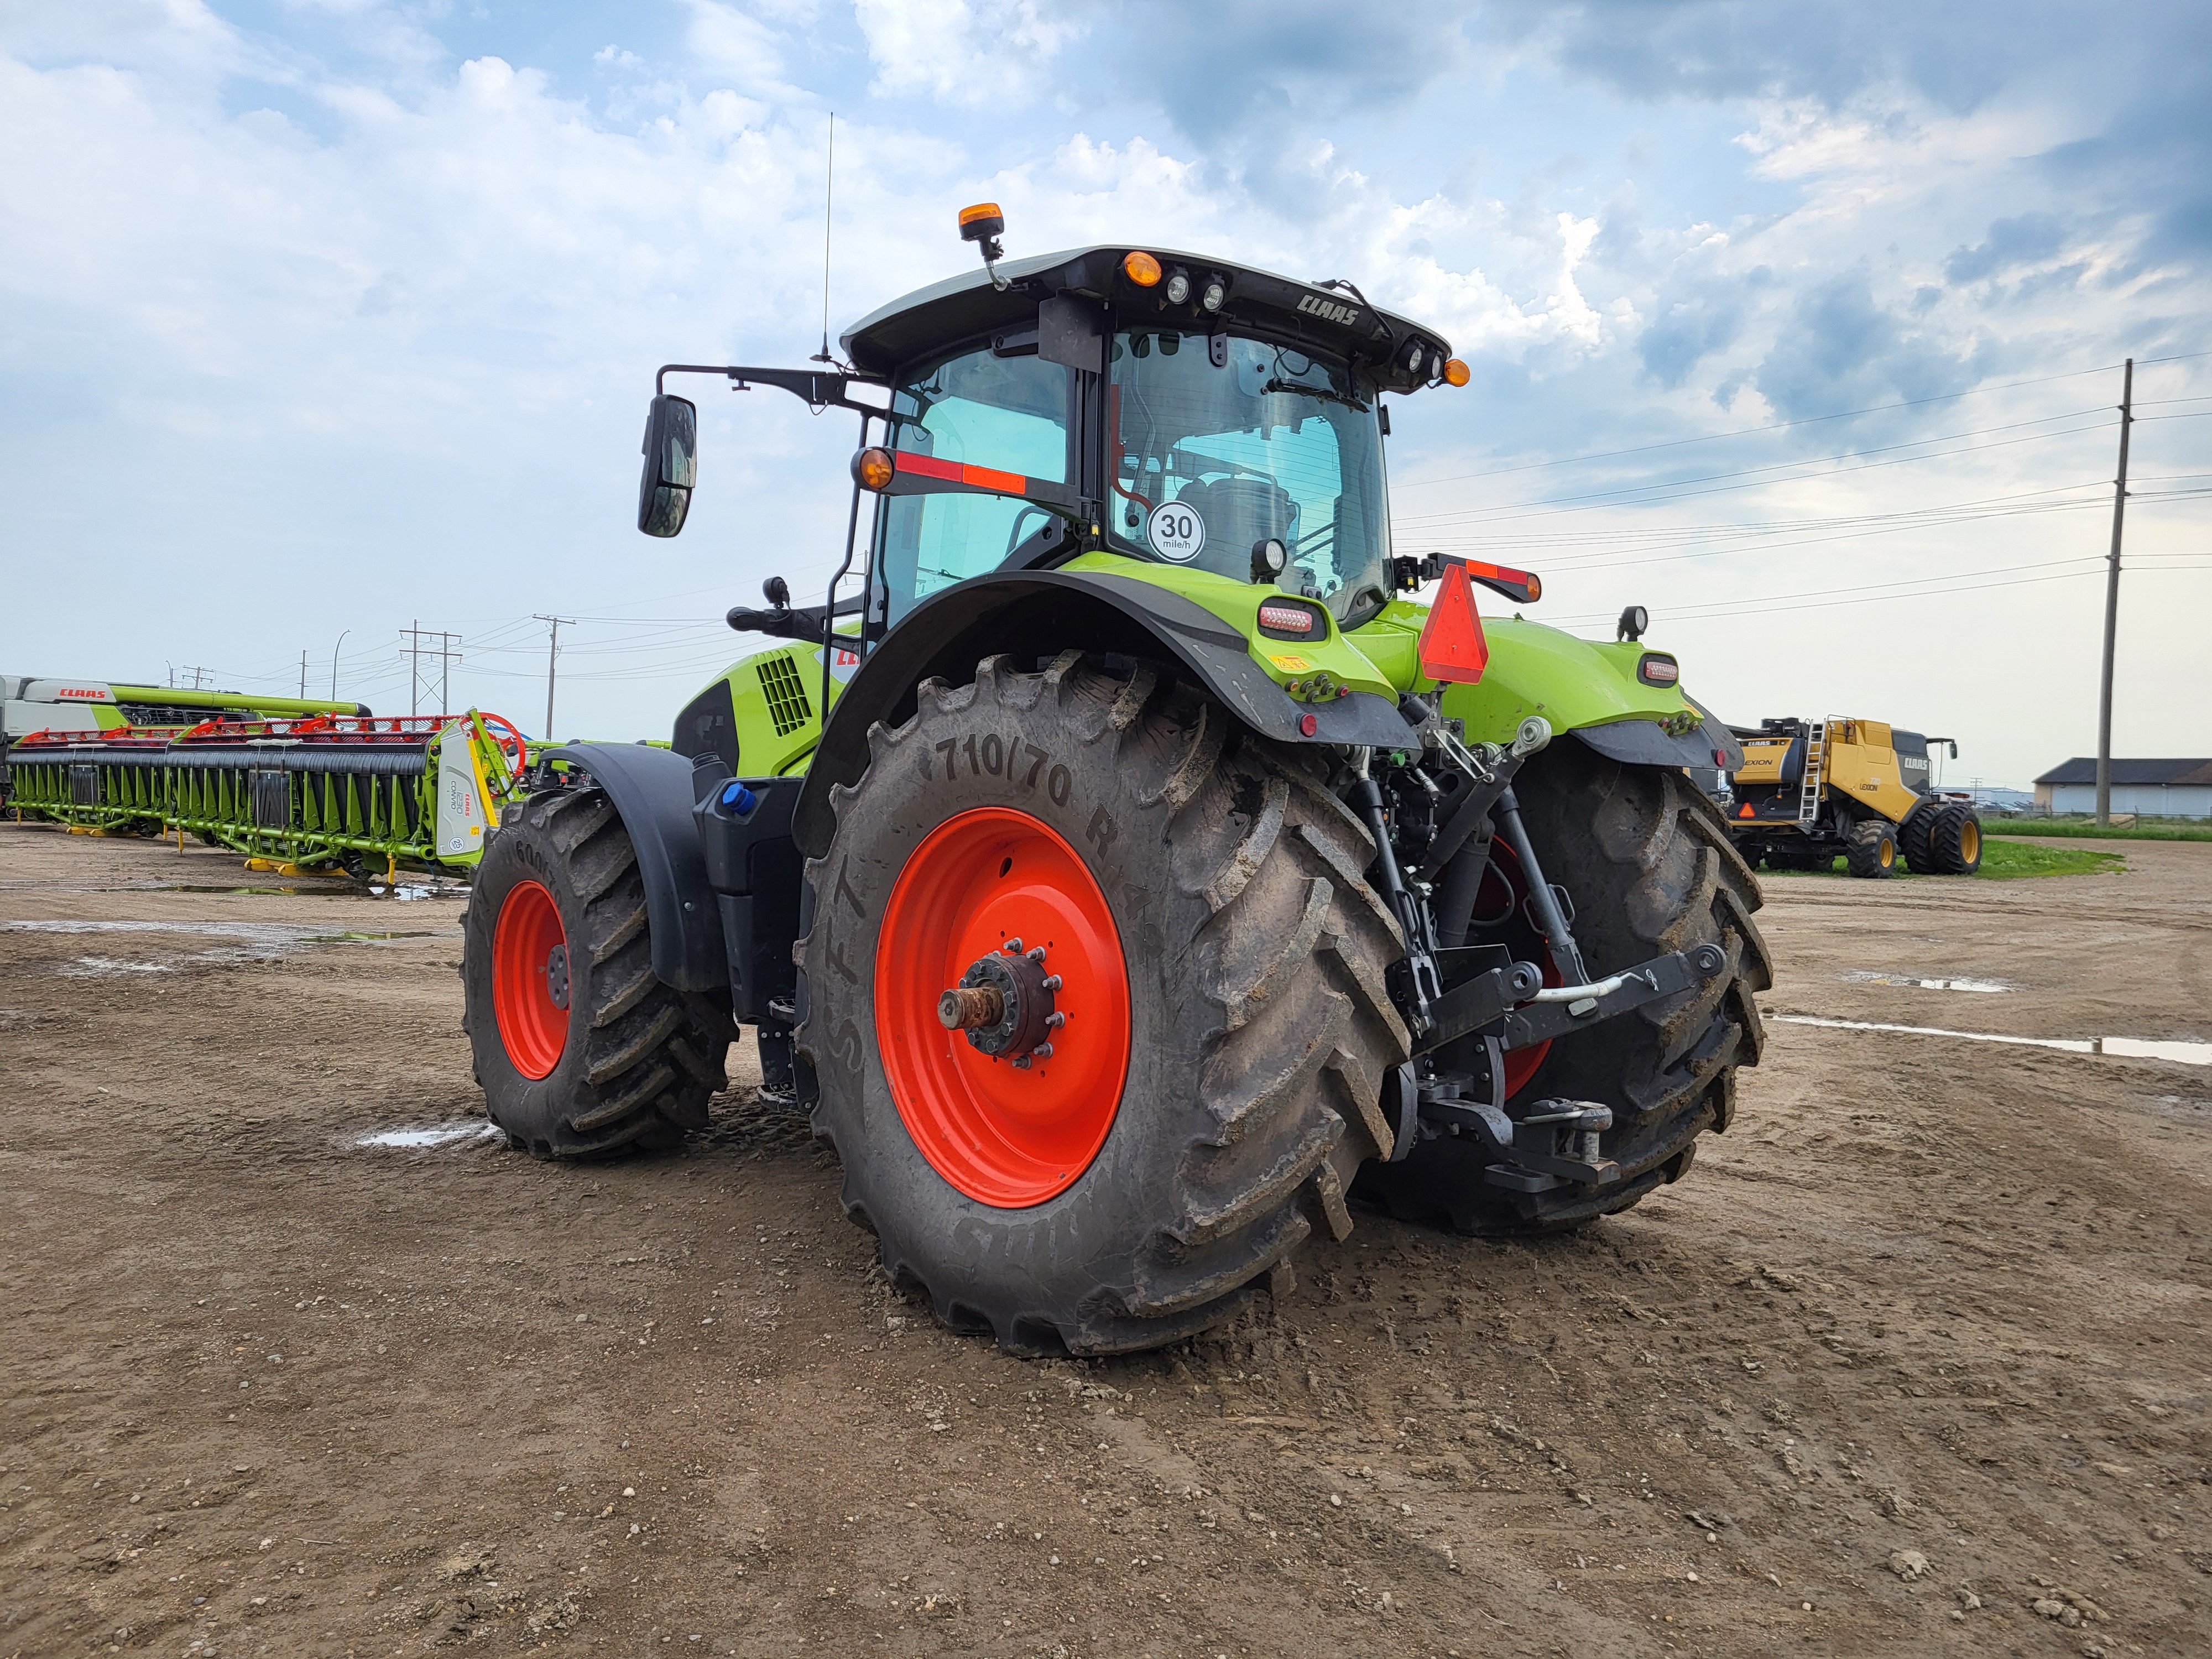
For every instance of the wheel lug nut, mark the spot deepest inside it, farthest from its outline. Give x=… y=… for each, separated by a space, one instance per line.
x=1052 y=982
x=1055 y=1020
x=1012 y=947
x=1037 y=955
x=1043 y=1051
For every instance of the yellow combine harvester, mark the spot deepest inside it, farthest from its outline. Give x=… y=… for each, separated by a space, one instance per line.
x=1810 y=791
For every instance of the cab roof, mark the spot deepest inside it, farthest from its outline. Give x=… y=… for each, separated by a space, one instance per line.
x=1332 y=321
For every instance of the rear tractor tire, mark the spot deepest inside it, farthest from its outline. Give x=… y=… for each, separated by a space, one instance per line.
x=1195 y=894
x=1647 y=861
x=580 y=1049
x=1871 y=852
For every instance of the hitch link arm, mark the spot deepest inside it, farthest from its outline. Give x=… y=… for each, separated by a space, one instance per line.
x=1513 y=1004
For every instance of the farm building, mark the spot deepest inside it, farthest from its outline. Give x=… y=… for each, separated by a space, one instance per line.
x=2156 y=788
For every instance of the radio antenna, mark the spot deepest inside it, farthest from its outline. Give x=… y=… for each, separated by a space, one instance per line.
x=828 y=187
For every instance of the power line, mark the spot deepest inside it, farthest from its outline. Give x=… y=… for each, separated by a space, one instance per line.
x=1783 y=425
x=446 y=656
x=1584 y=502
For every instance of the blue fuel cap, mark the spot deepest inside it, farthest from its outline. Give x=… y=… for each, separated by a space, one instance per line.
x=737 y=799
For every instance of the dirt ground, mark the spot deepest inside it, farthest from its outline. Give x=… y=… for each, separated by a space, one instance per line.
x=1913 y=1360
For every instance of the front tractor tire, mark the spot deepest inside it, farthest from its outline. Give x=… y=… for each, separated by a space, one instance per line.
x=1650 y=867
x=580 y=1049
x=1189 y=896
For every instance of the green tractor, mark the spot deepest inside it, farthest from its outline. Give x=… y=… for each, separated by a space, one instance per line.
x=1123 y=871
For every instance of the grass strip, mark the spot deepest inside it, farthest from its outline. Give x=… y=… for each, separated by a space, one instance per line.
x=2002 y=861
x=2090 y=829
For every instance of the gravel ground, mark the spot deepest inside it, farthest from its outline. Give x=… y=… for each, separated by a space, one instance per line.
x=1914 y=1359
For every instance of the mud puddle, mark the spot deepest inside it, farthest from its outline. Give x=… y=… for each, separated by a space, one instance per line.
x=259 y=941
x=1913 y=981
x=260 y=932
x=2184 y=1054
x=444 y=1135
x=404 y=893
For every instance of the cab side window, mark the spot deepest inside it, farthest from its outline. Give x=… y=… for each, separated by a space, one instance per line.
x=1011 y=413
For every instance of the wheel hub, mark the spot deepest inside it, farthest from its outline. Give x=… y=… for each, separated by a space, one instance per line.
x=1004 y=1002
x=556 y=975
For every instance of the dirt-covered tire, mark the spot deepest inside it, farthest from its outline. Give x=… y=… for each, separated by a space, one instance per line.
x=1912 y=839
x=1649 y=864
x=616 y=1059
x=1955 y=841
x=1871 y=851
x=1248 y=998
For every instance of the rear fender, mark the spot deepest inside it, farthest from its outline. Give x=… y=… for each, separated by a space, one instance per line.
x=652 y=790
x=1593 y=689
x=1033 y=614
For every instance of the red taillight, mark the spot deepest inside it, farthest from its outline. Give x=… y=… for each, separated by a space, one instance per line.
x=1294 y=618
x=1656 y=670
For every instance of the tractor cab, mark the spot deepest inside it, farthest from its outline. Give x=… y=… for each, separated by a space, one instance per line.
x=1147 y=404
x=1160 y=406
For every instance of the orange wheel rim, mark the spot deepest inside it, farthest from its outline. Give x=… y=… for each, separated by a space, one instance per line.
x=1003 y=1134
x=530 y=979
x=1970 y=842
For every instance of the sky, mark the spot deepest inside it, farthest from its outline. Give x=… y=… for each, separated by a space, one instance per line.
x=1800 y=326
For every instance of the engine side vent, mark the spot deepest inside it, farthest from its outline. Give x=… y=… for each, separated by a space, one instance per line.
x=786 y=693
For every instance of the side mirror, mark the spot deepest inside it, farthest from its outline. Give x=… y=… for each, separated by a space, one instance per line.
x=671 y=465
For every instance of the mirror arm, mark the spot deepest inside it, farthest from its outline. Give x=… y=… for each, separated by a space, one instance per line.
x=815 y=387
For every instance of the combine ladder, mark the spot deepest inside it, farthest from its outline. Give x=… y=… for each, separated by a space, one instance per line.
x=1808 y=788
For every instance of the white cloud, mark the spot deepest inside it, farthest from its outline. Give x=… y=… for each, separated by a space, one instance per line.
x=970 y=53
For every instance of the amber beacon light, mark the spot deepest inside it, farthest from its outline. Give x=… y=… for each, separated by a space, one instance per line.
x=983 y=222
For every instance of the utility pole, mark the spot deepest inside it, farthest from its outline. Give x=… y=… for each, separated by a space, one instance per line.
x=552 y=654
x=303 y=674
x=446 y=656
x=196 y=673
x=2112 y=603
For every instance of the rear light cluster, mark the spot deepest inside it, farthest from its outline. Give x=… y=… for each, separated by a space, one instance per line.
x=1145 y=271
x=1281 y=619
x=1653 y=669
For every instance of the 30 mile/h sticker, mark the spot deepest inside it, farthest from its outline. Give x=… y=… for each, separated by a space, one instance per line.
x=1177 y=533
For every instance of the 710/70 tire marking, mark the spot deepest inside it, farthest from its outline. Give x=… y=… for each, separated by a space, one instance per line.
x=992 y=756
